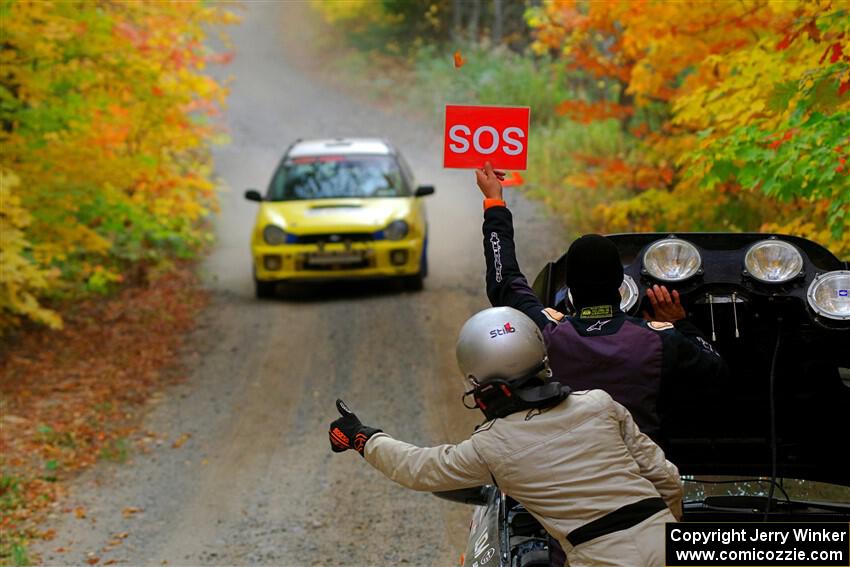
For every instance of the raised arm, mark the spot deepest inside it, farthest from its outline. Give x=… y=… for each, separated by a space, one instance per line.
x=506 y=284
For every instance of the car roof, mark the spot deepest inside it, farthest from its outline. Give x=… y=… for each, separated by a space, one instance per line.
x=340 y=146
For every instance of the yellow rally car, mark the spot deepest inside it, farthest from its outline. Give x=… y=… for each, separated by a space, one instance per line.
x=340 y=208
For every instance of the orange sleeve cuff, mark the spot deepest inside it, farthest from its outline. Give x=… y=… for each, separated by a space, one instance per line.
x=493 y=203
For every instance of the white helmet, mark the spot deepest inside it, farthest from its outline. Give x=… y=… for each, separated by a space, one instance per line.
x=503 y=343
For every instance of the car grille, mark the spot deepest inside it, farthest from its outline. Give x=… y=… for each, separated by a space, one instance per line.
x=337 y=268
x=334 y=238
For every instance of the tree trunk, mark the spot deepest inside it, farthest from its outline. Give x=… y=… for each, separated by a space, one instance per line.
x=457 y=20
x=474 y=20
x=497 y=22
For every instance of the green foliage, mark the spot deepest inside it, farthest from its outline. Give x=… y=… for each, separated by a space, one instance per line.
x=116 y=451
x=491 y=75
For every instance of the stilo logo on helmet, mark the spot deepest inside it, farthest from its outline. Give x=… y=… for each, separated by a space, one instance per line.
x=503 y=331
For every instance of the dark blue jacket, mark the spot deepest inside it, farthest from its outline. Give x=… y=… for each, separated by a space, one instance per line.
x=601 y=347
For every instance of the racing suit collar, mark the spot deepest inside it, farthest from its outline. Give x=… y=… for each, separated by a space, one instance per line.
x=605 y=311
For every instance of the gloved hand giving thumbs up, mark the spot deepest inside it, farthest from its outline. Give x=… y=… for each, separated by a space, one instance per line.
x=347 y=432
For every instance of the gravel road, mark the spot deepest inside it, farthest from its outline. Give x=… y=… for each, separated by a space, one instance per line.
x=255 y=483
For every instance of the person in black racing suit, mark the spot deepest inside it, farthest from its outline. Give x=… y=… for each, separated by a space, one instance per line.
x=600 y=347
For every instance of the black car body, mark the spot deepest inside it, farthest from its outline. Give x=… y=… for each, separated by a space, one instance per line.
x=767 y=443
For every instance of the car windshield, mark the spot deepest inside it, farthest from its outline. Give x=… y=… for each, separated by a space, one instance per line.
x=700 y=487
x=332 y=177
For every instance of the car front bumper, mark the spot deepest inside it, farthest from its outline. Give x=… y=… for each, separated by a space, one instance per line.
x=386 y=258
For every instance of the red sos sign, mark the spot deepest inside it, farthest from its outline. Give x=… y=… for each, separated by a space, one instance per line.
x=475 y=134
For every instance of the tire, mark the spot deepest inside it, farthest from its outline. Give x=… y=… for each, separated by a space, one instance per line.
x=416 y=282
x=264 y=290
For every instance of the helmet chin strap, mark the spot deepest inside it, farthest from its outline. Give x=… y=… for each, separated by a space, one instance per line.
x=500 y=398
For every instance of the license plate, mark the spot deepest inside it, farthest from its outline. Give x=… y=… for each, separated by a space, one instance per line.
x=333 y=258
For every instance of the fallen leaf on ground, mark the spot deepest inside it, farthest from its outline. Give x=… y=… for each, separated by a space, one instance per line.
x=93 y=560
x=129 y=511
x=80 y=512
x=181 y=440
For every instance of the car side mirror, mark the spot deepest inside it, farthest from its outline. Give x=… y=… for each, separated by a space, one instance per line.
x=477 y=495
x=253 y=195
x=423 y=190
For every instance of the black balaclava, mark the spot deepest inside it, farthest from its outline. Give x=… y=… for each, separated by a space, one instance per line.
x=594 y=271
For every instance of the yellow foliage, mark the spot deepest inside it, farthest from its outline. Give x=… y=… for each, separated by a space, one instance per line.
x=109 y=120
x=21 y=279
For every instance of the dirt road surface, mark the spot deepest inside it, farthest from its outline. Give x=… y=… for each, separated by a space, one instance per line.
x=255 y=483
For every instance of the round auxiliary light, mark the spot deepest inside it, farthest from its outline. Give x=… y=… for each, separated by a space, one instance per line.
x=829 y=295
x=274 y=235
x=628 y=294
x=773 y=261
x=671 y=260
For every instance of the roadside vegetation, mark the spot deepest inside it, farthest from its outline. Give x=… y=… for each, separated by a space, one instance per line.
x=107 y=114
x=654 y=116
x=106 y=119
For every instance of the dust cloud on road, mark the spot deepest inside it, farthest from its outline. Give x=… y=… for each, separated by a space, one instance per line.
x=256 y=483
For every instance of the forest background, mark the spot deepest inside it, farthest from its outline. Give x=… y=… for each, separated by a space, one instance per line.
x=107 y=116
x=646 y=115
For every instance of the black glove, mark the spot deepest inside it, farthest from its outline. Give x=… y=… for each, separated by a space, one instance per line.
x=347 y=432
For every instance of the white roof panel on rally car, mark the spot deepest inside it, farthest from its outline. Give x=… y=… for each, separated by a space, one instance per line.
x=339 y=146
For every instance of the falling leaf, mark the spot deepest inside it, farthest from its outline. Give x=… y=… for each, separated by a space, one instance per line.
x=458 y=58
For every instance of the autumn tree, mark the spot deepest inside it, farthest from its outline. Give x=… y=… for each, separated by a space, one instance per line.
x=107 y=116
x=738 y=117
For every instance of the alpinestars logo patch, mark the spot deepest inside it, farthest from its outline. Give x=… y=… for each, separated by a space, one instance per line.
x=496 y=245
x=598 y=326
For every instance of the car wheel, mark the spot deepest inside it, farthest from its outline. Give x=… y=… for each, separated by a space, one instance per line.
x=423 y=263
x=264 y=290
x=414 y=283
x=417 y=282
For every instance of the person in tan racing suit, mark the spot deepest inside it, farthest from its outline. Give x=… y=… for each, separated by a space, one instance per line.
x=576 y=460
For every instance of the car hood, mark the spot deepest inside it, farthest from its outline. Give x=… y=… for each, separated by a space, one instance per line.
x=782 y=407
x=338 y=215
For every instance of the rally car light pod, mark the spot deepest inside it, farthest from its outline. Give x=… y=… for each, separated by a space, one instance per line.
x=628 y=294
x=396 y=230
x=829 y=295
x=672 y=259
x=773 y=261
x=274 y=235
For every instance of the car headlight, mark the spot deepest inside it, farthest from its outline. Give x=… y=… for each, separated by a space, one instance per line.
x=672 y=260
x=773 y=261
x=396 y=230
x=628 y=293
x=829 y=295
x=274 y=235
